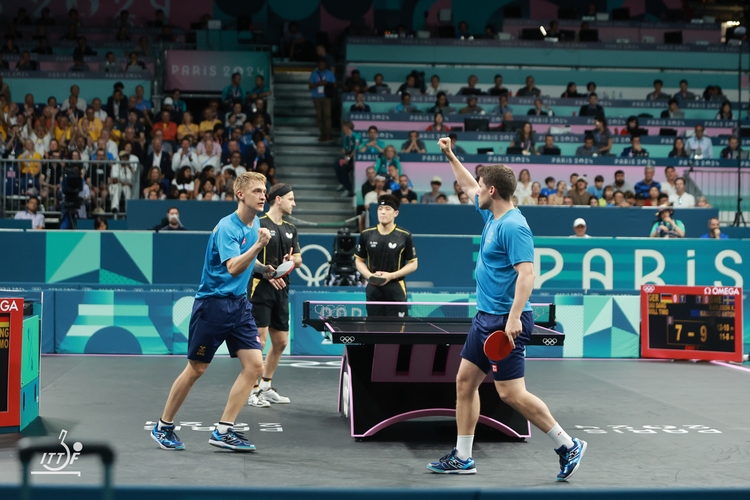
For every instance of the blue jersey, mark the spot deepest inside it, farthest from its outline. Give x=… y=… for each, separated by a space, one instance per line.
x=230 y=238
x=505 y=242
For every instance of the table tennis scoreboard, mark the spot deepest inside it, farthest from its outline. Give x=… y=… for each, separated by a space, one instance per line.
x=691 y=322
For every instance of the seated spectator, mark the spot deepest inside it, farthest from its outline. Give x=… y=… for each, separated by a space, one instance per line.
x=100 y=224
x=471 y=88
x=549 y=147
x=542 y=200
x=602 y=136
x=567 y=201
x=524 y=139
x=714 y=229
x=633 y=127
x=642 y=187
x=579 y=227
x=391 y=179
x=463 y=30
x=635 y=150
x=674 y=110
x=666 y=227
x=122 y=34
x=498 y=88
x=588 y=148
x=441 y=199
x=608 y=197
x=374 y=145
x=733 y=150
x=438 y=124
x=167 y=127
x=431 y=197
x=160 y=158
x=355 y=80
x=619 y=200
x=359 y=105
x=725 y=113
x=657 y=94
x=678 y=149
x=441 y=104
x=523 y=186
x=404 y=192
x=152 y=184
x=598 y=188
x=681 y=198
x=471 y=106
x=549 y=187
x=537 y=109
x=260 y=91
x=414 y=144
x=208 y=191
x=435 y=88
x=260 y=154
x=702 y=202
x=580 y=194
x=713 y=93
x=25 y=63
x=389 y=158
x=593 y=108
x=455 y=147
x=30 y=213
x=533 y=198
x=185 y=157
x=10 y=47
x=652 y=199
x=233 y=91
x=684 y=95
x=529 y=90
x=379 y=87
x=571 y=91
x=134 y=64
x=369 y=184
x=43 y=49
x=209 y=120
x=594 y=201
x=663 y=199
x=406 y=106
x=699 y=146
x=236 y=118
x=453 y=198
x=558 y=198
x=378 y=190
x=235 y=164
x=83 y=48
x=409 y=86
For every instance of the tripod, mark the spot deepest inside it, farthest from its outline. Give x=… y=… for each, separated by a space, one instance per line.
x=739 y=217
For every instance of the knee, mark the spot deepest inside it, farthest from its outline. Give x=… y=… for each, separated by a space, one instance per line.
x=280 y=342
x=196 y=370
x=464 y=386
x=510 y=395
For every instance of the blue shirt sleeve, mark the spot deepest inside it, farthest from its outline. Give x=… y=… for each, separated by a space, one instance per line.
x=518 y=241
x=486 y=214
x=227 y=243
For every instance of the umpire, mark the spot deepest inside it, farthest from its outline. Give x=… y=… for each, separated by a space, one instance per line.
x=384 y=255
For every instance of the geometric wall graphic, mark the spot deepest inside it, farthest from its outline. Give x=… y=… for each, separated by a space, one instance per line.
x=72 y=254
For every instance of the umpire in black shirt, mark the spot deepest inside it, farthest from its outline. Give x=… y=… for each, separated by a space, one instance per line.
x=386 y=253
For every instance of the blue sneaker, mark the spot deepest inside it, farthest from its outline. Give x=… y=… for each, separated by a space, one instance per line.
x=166 y=438
x=232 y=440
x=570 y=459
x=451 y=464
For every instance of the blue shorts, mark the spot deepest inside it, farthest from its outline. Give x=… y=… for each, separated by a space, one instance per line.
x=221 y=319
x=482 y=326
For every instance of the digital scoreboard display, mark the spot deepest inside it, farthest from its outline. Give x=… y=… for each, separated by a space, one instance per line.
x=691 y=322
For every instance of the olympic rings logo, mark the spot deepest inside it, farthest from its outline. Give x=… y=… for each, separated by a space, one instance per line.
x=321 y=273
x=324 y=311
x=549 y=341
x=649 y=289
x=346 y=340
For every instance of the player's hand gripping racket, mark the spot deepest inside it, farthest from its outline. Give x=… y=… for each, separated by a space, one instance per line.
x=377 y=279
x=497 y=346
x=285 y=267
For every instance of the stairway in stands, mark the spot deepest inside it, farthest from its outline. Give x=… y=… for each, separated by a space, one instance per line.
x=301 y=160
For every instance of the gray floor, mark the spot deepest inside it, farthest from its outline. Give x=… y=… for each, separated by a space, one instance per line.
x=111 y=398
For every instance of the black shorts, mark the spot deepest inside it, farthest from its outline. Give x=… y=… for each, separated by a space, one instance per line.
x=393 y=291
x=221 y=319
x=270 y=306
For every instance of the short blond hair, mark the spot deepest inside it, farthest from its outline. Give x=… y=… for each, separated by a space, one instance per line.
x=245 y=179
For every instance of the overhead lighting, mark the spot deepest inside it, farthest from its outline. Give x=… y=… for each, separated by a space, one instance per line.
x=544 y=31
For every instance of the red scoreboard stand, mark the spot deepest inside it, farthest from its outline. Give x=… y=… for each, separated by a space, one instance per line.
x=691 y=322
x=19 y=366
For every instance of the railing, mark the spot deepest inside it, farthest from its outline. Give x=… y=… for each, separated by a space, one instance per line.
x=722 y=187
x=49 y=180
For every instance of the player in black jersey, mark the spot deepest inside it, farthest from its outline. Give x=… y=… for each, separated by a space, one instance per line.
x=387 y=251
x=270 y=299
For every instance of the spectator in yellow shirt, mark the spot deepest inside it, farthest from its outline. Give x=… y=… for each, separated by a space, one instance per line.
x=30 y=168
x=188 y=128
x=210 y=120
x=91 y=125
x=63 y=129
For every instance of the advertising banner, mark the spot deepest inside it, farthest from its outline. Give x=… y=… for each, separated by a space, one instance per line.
x=209 y=71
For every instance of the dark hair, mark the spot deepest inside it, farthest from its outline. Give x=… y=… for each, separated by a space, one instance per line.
x=453 y=137
x=372 y=127
x=594 y=94
x=658 y=80
x=236 y=73
x=542 y=196
x=549 y=179
x=590 y=84
x=634 y=136
x=683 y=81
x=599 y=178
x=619 y=172
x=587 y=137
x=501 y=178
x=673 y=101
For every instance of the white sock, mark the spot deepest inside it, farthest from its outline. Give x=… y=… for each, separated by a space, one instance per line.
x=560 y=437
x=256 y=390
x=161 y=424
x=265 y=384
x=223 y=427
x=463 y=447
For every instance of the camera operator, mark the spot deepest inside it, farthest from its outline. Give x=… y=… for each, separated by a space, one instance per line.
x=74 y=194
x=665 y=226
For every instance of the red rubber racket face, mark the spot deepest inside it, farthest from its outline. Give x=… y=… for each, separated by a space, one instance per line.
x=284 y=269
x=497 y=346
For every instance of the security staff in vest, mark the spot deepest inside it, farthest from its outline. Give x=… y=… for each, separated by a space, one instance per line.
x=270 y=299
x=384 y=256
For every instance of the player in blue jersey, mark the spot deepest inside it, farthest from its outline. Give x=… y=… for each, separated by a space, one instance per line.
x=222 y=313
x=505 y=278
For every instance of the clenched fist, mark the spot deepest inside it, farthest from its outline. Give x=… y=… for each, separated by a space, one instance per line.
x=445 y=144
x=264 y=236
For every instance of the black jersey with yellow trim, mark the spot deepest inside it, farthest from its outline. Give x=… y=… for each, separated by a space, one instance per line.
x=386 y=252
x=283 y=239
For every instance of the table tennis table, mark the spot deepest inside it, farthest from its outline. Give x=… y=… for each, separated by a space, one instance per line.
x=399 y=368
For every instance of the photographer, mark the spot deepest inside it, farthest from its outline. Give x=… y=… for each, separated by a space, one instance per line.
x=665 y=226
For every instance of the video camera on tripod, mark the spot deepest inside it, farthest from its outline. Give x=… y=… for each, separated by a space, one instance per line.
x=342 y=270
x=72 y=186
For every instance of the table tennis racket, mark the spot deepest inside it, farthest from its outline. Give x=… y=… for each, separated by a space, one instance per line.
x=284 y=269
x=376 y=279
x=497 y=346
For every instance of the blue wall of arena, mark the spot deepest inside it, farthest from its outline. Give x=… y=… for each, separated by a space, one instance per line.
x=132 y=291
